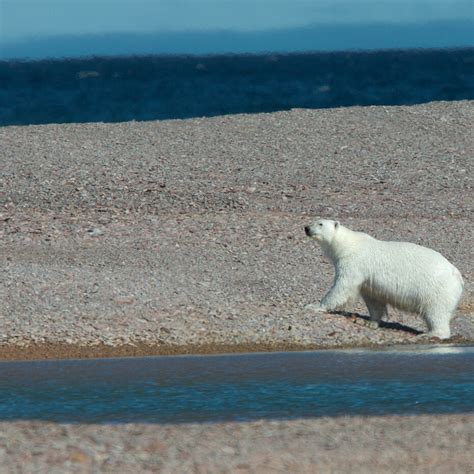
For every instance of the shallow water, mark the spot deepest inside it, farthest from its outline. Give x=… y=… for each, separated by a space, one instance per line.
x=178 y=389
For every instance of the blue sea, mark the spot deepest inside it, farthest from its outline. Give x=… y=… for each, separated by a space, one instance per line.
x=423 y=380
x=116 y=89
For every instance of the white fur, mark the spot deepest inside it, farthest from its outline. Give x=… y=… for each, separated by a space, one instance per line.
x=401 y=274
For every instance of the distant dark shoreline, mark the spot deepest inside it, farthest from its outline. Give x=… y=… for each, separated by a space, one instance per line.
x=269 y=55
x=115 y=89
x=333 y=36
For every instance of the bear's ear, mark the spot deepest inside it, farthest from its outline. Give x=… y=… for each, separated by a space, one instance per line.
x=336 y=224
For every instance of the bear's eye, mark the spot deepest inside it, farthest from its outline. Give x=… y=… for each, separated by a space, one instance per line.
x=320 y=224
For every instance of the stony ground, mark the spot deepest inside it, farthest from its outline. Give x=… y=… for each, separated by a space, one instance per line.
x=394 y=444
x=190 y=232
x=159 y=237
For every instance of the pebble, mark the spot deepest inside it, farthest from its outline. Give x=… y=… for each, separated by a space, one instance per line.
x=94 y=232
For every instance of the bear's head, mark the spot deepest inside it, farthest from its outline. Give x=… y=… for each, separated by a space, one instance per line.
x=322 y=230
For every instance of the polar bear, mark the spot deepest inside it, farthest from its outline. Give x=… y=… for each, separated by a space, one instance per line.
x=401 y=274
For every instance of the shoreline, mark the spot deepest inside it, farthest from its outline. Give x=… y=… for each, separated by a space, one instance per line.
x=64 y=351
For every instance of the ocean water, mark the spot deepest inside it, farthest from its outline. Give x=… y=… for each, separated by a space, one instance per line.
x=429 y=380
x=117 y=89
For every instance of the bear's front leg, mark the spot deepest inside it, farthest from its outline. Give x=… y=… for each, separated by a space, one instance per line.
x=344 y=288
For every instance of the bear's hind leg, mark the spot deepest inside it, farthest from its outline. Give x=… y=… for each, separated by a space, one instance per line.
x=438 y=325
x=377 y=310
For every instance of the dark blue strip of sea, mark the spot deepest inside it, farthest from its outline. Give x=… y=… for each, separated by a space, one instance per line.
x=426 y=380
x=117 y=89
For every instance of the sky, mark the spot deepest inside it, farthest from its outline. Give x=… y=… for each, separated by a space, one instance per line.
x=26 y=20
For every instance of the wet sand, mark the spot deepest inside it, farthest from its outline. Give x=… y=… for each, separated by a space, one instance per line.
x=72 y=351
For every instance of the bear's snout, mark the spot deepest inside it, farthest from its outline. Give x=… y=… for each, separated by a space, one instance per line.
x=307 y=230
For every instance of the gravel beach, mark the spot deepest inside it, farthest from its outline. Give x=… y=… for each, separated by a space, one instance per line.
x=393 y=444
x=187 y=235
x=184 y=236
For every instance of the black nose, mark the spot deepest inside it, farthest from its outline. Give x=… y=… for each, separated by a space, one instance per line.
x=307 y=230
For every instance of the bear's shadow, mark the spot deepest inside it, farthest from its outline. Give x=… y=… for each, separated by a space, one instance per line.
x=383 y=324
